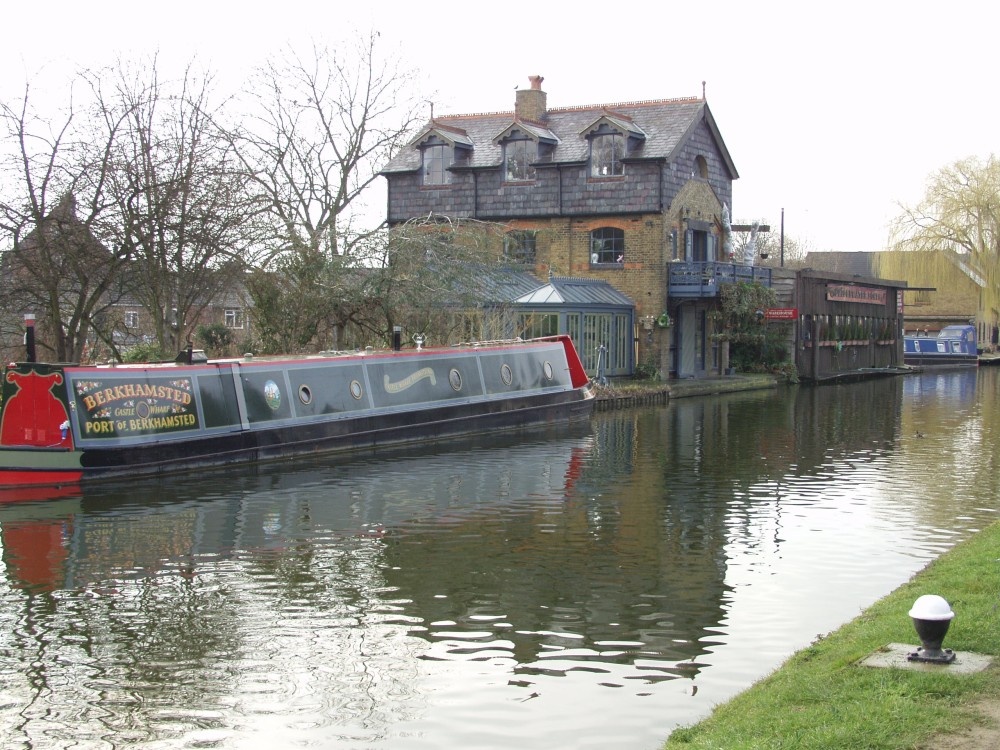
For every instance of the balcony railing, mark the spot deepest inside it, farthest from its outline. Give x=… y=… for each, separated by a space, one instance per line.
x=703 y=278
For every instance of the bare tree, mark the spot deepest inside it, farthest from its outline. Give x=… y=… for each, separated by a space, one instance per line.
x=434 y=276
x=442 y=278
x=62 y=265
x=181 y=195
x=319 y=128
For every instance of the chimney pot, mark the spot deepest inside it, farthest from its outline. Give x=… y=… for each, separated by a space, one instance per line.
x=530 y=103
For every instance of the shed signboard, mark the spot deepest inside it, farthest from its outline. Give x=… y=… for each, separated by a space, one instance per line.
x=853 y=293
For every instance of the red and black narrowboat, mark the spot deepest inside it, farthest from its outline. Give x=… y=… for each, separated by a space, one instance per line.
x=64 y=424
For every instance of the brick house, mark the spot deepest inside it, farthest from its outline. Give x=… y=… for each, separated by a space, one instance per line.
x=130 y=324
x=62 y=241
x=628 y=193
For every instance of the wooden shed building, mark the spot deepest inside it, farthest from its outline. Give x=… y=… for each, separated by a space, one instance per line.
x=848 y=325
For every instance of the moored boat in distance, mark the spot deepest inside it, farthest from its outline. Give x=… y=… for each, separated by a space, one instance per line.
x=954 y=346
x=64 y=424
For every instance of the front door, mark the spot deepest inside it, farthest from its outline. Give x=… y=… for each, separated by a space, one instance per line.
x=693 y=338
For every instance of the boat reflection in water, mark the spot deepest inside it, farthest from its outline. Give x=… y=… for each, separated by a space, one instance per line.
x=343 y=597
x=574 y=587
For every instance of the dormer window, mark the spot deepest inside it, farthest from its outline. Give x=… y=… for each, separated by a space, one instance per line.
x=518 y=157
x=606 y=154
x=437 y=157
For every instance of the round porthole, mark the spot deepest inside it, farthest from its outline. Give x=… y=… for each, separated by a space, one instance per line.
x=547 y=369
x=506 y=375
x=356 y=390
x=455 y=378
x=305 y=394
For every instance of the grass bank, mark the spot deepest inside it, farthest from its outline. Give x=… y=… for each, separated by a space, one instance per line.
x=822 y=698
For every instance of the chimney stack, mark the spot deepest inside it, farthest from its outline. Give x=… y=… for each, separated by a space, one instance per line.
x=530 y=103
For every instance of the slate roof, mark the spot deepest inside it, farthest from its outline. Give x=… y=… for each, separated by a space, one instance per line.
x=510 y=285
x=501 y=286
x=665 y=124
x=570 y=291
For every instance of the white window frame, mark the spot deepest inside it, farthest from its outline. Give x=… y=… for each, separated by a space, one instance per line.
x=234 y=318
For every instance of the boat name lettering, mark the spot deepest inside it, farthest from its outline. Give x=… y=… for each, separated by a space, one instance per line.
x=135 y=390
x=401 y=385
x=124 y=426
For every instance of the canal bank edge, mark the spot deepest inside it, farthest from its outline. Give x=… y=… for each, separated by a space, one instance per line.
x=632 y=393
x=823 y=697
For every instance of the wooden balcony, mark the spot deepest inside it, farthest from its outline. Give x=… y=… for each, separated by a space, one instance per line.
x=690 y=279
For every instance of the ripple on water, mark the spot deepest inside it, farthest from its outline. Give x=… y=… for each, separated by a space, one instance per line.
x=573 y=592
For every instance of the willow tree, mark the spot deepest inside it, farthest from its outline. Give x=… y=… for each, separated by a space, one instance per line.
x=959 y=216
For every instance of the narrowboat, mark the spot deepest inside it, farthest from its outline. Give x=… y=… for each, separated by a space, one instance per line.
x=63 y=424
x=954 y=346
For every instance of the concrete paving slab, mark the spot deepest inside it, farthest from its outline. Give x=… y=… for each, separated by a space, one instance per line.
x=895 y=656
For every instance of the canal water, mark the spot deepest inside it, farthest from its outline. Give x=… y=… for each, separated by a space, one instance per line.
x=586 y=589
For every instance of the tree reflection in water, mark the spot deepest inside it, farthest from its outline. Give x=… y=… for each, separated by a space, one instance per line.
x=548 y=589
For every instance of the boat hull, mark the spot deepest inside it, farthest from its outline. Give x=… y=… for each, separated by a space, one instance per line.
x=74 y=424
x=944 y=360
x=954 y=346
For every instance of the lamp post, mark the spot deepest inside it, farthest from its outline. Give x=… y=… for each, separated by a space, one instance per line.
x=782 y=237
x=29 y=336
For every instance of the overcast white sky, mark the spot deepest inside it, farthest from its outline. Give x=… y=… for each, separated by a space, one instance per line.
x=835 y=112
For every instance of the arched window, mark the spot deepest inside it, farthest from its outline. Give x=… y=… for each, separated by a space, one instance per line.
x=607 y=246
x=701 y=167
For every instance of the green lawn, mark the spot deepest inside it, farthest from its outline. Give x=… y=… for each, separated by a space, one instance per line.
x=822 y=698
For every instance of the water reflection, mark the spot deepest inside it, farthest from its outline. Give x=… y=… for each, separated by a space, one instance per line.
x=567 y=590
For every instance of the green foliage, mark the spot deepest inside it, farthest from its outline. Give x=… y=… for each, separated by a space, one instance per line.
x=216 y=337
x=150 y=352
x=742 y=310
x=755 y=345
x=647 y=370
x=959 y=214
x=294 y=308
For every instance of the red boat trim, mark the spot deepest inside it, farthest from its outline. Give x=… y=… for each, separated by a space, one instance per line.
x=20 y=477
